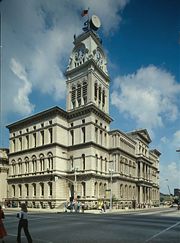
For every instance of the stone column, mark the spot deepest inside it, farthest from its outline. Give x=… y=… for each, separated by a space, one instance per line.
x=140 y=171
x=140 y=194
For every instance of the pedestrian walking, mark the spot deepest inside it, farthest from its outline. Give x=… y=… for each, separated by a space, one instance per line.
x=23 y=223
x=3 y=232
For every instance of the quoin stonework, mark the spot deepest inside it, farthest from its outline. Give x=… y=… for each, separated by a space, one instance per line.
x=57 y=155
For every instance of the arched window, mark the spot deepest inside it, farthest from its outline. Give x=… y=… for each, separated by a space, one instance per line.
x=20 y=190
x=26 y=165
x=83 y=189
x=42 y=163
x=121 y=191
x=103 y=97
x=50 y=188
x=85 y=92
x=50 y=161
x=95 y=91
x=34 y=163
x=13 y=191
x=105 y=165
x=126 y=192
x=13 y=167
x=34 y=189
x=42 y=189
x=73 y=96
x=83 y=162
x=96 y=189
x=79 y=94
x=99 y=94
x=101 y=190
x=27 y=190
x=20 y=166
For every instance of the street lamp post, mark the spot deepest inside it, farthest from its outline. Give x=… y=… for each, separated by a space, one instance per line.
x=111 y=171
x=75 y=183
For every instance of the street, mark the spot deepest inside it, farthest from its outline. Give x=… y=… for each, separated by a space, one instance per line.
x=151 y=225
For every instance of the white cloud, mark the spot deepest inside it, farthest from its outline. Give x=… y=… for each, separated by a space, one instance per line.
x=169 y=176
x=147 y=96
x=21 y=100
x=176 y=139
x=164 y=140
x=39 y=35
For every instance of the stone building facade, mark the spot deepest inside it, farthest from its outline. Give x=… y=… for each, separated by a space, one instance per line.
x=57 y=154
x=4 y=169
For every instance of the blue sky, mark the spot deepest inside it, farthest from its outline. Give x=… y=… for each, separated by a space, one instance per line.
x=141 y=40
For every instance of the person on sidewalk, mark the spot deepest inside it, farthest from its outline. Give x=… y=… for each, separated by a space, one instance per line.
x=3 y=232
x=23 y=223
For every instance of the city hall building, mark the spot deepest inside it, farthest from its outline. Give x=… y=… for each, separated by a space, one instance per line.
x=58 y=154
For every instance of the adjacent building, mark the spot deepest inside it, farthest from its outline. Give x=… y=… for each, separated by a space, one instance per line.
x=57 y=155
x=4 y=168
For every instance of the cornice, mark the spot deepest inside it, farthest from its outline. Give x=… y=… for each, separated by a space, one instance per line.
x=52 y=112
x=88 y=109
x=87 y=65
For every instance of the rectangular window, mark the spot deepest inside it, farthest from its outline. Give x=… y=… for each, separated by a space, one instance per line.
x=27 y=190
x=34 y=190
x=20 y=143
x=96 y=162
x=34 y=137
x=96 y=134
x=42 y=189
x=27 y=141
x=72 y=137
x=101 y=137
x=83 y=134
x=20 y=191
x=13 y=190
x=42 y=137
x=105 y=139
x=13 y=145
x=50 y=135
x=50 y=189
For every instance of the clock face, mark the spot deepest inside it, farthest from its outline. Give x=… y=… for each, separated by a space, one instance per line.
x=99 y=58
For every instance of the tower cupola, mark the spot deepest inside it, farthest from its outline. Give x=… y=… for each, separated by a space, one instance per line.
x=87 y=75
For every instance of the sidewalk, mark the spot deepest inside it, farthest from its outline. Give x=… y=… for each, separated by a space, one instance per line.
x=92 y=211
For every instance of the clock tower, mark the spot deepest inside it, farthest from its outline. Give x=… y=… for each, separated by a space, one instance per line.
x=87 y=75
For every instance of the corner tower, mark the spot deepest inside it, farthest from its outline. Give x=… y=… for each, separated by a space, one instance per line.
x=87 y=75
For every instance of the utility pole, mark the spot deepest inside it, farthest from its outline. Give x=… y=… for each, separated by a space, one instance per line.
x=75 y=184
